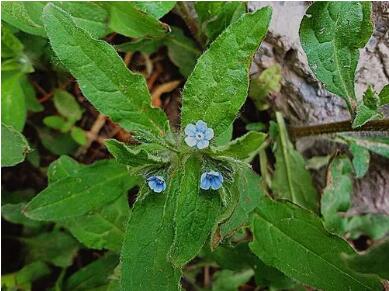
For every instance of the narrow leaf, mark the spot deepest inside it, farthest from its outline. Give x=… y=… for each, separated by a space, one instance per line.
x=331 y=35
x=294 y=241
x=217 y=87
x=361 y=159
x=14 y=146
x=376 y=144
x=102 y=75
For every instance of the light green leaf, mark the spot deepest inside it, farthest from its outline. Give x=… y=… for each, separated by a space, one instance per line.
x=227 y=280
x=93 y=275
x=244 y=148
x=67 y=105
x=127 y=19
x=224 y=137
x=136 y=156
x=294 y=241
x=373 y=261
x=14 y=146
x=23 y=278
x=102 y=75
x=62 y=168
x=364 y=114
x=376 y=144
x=155 y=8
x=10 y=44
x=248 y=184
x=215 y=16
x=291 y=180
x=195 y=215
x=182 y=50
x=57 y=122
x=144 y=255
x=60 y=251
x=337 y=195
x=89 y=188
x=13 y=213
x=56 y=142
x=13 y=105
x=331 y=35
x=376 y=226
x=217 y=87
x=384 y=95
x=361 y=159
x=103 y=228
x=79 y=135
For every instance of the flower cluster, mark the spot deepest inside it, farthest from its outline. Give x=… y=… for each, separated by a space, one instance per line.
x=197 y=135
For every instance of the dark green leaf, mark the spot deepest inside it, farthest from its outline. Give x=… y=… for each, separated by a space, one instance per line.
x=56 y=142
x=365 y=114
x=384 y=95
x=155 y=8
x=227 y=280
x=14 y=146
x=32 y=103
x=291 y=180
x=294 y=241
x=373 y=261
x=62 y=168
x=102 y=75
x=13 y=213
x=10 y=44
x=22 y=279
x=331 y=34
x=217 y=87
x=89 y=188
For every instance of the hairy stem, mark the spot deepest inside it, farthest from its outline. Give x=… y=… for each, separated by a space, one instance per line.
x=334 y=127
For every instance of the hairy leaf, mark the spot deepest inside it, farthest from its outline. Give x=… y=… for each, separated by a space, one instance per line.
x=244 y=148
x=376 y=226
x=155 y=8
x=361 y=159
x=331 y=35
x=291 y=180
x=102 y=75
x=14 y=146
x=375 y=144
x=294 y=241
x=88 y=189
x=384 y=95
x=373 y=261
x=218 y=85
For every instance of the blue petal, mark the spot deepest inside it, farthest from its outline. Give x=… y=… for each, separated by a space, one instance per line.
x=215 y=183
x=204 y=182
x=201 y=126
x=152 y=184
x=190 y=130
x=190 y=141
x=202 y=144
x=158 y=188
x=209 y=134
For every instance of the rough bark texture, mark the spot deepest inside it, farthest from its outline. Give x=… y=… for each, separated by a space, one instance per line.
x=304 y=101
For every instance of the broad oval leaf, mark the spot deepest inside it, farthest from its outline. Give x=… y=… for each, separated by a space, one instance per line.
x=294 y=241
x=155 y=8
x=102 y=75
x=14 y=146
x=331 y=34
x=217 y=87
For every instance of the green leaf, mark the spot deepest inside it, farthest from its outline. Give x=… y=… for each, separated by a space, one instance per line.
x=102 y=75
x=13 y=106
x=79 y=135
x=67 y=105
x=89 y=188
x=373 y=261
x=60 y=251
x=248 y=184
x=103 y=228
x=291 y=180
x=13 y=213
x=32 y=103
x=361 y=159
x=337 y=195
x=364 y=114
x=22 y=279
x=156 y=9
x=182 y=50
x=93 y=275
x=376 y=226
x=224 y=137
x=57 y=143
x=216 y=16
x=244 y=148
x=14 y=146
x=217 y=87
x=57 y=122
x=11 y=46
x=195 y=215
x=294 y=241
x=384 y=95
x=144 y=45
x=127 y=19
x=227 y=280
x=377 y=144
x=136 y=156
x=331 y=35
x=144 y=255
x=62 y=168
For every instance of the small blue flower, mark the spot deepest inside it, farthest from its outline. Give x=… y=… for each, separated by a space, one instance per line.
x=211 y=179
x=156 y=183
x=198 y=135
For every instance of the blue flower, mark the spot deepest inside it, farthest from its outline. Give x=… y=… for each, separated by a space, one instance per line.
x=198 y=135
x=211 y=179
x=156 y=183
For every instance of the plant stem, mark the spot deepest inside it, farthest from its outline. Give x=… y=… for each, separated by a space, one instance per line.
x=334 y=127
x=191 y=23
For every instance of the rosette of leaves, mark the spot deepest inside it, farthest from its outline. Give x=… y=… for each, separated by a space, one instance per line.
x=165 y=230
